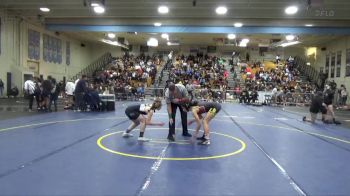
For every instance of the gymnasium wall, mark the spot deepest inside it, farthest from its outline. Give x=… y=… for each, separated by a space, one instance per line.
x=14 y=52
x=254 y=53
x=319 y=58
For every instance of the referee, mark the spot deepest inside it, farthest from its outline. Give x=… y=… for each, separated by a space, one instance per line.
x=176 y=95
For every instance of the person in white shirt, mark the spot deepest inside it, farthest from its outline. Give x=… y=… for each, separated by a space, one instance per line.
x=278 y=59
x=274 y=94
x=70 y=87
x=29 y=88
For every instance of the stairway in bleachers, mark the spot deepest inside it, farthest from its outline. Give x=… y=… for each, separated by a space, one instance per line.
x=97 y=65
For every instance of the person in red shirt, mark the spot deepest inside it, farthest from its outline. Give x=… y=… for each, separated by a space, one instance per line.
x=225 y=74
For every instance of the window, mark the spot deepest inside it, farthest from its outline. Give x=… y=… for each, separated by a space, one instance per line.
x=52 y=49
x=67 y=53
x=347 y=68
x=0 y=35
x=326 y=68
x=33 y=44
x=332 y=65
x=338 y=64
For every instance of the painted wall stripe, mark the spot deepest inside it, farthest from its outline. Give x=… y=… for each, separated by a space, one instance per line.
x=199 y=29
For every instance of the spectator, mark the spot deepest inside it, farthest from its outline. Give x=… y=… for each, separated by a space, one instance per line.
x=80 y=90
x=46 y=92
x=70 y=87
x=343 y=95
x=29 y=89
x=54 y=94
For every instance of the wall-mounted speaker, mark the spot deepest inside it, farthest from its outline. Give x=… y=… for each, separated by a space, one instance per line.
x=324 y=49
x=82 y=45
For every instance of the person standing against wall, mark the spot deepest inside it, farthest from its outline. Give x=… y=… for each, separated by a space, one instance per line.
x=70 y=87
x=1 y=88
x=54 y=94
x=29 y=88
x=80 y=90
x=343 y=95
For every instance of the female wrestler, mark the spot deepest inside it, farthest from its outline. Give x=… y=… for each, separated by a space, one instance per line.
x=135 y=114
x=211 y=108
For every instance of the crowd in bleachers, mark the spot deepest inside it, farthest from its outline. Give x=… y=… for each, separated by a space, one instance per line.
x=129 y=75
x=205 y=77
x=200 y=71
x=280 y=77
x=125 y=77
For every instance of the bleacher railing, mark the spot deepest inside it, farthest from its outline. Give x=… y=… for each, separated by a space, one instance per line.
x=98 y=64
x=310 y=72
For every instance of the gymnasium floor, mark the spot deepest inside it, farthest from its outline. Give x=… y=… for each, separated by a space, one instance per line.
x=254 y=151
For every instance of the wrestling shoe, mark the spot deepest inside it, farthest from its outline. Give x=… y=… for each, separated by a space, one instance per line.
x=204 y=142
x=143 y=139
x=125 y=134
x=201 y=138
x=304 y=118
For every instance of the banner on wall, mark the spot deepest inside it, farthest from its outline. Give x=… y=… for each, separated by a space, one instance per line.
x=338 y=70
x=326 y=68
x=347 y=62
x=332 y=65
x=52 y=49
x=33 y=45
x=67 y=53
x=0 y=35
x=33 y=66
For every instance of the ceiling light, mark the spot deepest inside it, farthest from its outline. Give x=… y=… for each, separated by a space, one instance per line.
x=99 y=9
x=165 y=36
x=221 y=10
x=163 y=9
x=173 y=43
x=157 y=24
x=238 y=24
x=291 y=10
x=152 y=42
x=135 y=33
x=290 y=37
x=44 y=9
x=111 y=35
x=94 y=4
x=309 y=25
x=231 y=36
x=290 y=43
x=114 y=43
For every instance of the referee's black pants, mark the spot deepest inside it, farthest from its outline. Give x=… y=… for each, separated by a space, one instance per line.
x=183 y=120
